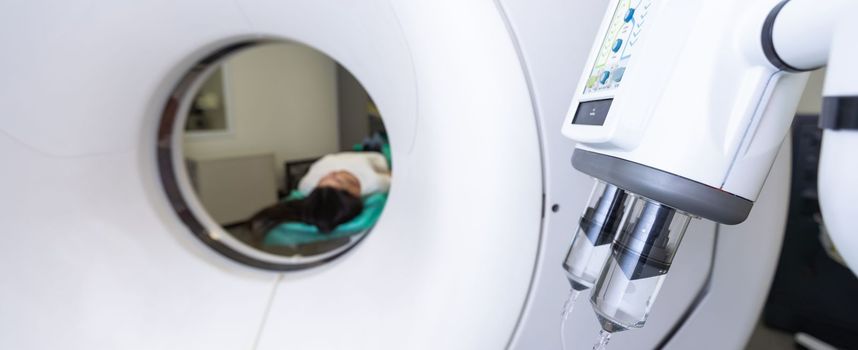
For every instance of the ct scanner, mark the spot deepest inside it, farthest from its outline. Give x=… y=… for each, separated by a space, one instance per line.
x=466 y=256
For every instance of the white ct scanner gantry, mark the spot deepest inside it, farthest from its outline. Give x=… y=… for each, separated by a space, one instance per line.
x=101 y=251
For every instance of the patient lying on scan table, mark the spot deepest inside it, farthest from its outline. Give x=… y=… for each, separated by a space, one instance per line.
x=333 y=188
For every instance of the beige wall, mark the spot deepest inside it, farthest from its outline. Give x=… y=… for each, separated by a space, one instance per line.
x=811 y=101
x=282 y=99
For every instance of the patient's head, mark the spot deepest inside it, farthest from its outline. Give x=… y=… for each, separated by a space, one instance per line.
x=342 y=180
x=328 y=207
x=335 y=200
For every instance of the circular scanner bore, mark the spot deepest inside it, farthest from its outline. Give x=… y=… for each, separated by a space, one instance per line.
x=243 y=146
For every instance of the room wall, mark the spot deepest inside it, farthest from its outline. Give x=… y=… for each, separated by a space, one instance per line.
x=216 y=117
x=811 y=100
x=353 y=99
x=281 y=99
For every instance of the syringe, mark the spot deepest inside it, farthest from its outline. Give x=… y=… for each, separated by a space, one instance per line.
x=640 y=259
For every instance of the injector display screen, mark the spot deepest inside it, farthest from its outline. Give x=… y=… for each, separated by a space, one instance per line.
x=592 y=112
x=615 y=52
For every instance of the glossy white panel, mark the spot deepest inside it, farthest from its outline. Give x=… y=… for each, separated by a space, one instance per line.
x=92 y=255
x=91 y=260
x=448 y=265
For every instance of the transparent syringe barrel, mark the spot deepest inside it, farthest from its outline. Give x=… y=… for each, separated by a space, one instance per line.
x=641 y=255
x=596 y=229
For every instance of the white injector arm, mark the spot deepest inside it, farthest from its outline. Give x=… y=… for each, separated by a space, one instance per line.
x=838 y=166
x=807 y=35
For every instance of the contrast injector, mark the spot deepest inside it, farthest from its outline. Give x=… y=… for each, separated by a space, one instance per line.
x=591 y=245
x=684 y=106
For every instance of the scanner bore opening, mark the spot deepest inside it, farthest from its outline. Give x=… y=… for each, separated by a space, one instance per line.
x=216 y=88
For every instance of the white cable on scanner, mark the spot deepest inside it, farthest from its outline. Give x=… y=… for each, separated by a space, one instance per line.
x=811 y=342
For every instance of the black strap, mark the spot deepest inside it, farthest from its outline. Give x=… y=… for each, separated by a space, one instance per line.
x=769 y=44
x=839 y=112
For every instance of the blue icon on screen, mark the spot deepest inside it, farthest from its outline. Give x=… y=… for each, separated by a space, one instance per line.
x=630 y=15
x=605 y=76
x=618 y=74
x=617 y=45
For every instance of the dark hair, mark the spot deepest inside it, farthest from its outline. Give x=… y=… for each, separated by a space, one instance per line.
x=325 y=207
x=328 y=207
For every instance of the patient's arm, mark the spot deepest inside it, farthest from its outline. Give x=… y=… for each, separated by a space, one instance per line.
x=378 y=162
x=384 y=182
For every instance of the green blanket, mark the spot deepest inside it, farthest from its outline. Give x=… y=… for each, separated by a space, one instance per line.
x=295 y=233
